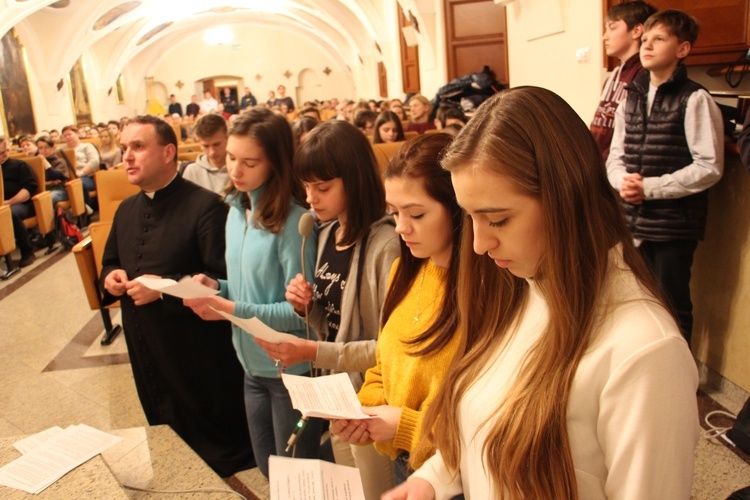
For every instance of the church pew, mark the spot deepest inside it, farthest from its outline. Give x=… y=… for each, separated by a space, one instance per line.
x=7 y=240
x=384 y=151
x=44 y=217
x=88 y=254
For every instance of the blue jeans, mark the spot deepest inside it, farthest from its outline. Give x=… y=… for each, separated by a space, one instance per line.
x=88 y=186
x=58 y=195
x=271 y=420
x=401 y=469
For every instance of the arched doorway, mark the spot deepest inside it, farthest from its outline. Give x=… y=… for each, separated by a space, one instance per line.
x=308 y=88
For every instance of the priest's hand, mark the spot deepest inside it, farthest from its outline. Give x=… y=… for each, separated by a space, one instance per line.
x=350 y=431
x=206 y=281
x=290 y=352
x=115 y=282
x=140 y=293
x=204 y=307
x=415 y=488
x=383 y=426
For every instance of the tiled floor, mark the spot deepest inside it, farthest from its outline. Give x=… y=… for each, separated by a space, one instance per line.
x=54 y=372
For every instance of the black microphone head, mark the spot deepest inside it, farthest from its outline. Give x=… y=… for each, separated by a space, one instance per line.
x=306 y=224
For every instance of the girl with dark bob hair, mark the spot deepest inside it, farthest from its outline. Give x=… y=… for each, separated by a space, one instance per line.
x=356 y=248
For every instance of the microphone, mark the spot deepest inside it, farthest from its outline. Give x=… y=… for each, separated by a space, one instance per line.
x=301 y=424
x=305 y=227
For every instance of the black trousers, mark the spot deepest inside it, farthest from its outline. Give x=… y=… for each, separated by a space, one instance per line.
x=19 y=212
x=671 y=261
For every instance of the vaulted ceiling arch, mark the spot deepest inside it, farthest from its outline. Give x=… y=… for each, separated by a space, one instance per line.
x=56 y=37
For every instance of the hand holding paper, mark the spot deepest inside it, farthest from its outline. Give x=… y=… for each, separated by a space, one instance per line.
x=258 y=329
x=209 y=308
x=186 y=288
x=331 y=396
x=140 y=293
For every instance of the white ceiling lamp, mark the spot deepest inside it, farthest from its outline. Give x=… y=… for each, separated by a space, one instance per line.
x=220 y=35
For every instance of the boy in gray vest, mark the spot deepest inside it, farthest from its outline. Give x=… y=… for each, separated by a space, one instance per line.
x=667 y=150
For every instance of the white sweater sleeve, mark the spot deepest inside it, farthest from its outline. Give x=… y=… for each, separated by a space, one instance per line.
x=435 y=472
x=648 y=425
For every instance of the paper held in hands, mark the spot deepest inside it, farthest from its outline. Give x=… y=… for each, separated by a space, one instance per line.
x=186 y=288
x=303 y=479
x=257 y=328
x=331 y=396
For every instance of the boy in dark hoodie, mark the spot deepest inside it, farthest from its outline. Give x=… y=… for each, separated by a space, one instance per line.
x=622 y=39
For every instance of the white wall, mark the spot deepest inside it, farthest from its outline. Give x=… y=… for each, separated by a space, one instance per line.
x=559 y=28
x=433 y=56
x=53 y=109
x=269 y=52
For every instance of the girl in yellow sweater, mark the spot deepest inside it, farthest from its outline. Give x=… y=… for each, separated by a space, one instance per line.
x=418 y=336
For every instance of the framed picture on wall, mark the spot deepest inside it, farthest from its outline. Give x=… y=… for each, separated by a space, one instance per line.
x=16 y=107
x=120 y=89
x=80 y=94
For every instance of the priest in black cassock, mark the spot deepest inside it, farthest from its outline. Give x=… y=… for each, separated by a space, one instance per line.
x=185 y=369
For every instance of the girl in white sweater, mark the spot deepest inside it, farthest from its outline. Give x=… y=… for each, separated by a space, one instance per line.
x=574 y=381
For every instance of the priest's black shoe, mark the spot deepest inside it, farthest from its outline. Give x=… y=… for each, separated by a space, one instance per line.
x=27 y=260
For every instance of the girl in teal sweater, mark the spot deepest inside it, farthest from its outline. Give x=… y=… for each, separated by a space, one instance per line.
x=263 y=254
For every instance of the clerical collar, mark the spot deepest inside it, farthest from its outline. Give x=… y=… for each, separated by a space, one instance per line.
x=151 y=194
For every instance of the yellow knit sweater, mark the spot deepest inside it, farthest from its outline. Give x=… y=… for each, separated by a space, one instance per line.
x=409 y=382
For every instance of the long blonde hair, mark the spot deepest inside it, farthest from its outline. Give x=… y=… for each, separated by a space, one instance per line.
x=533 y=137
x=112 y=140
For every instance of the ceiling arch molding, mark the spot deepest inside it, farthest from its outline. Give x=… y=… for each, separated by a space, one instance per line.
x=16 y=12
x=126 y=49
x=345 y=18
x=345 y=32
x=150 y=58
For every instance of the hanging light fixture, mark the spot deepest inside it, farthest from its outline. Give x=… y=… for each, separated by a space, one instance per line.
x=219 y=35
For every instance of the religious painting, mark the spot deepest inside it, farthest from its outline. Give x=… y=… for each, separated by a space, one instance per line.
x=148 y=36
x=115 y=13
x=15 y=97
x=120 y=89
x=80 y=94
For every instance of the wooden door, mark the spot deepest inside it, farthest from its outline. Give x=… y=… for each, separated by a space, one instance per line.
x=476 y=37
x=409 y=59
x=382 y=79
x=725 y=28
x=209 y=86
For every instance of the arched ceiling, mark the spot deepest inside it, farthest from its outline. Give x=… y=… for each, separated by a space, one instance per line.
x=56 y=33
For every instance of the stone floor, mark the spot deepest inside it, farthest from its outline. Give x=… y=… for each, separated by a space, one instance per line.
x=54 y=372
